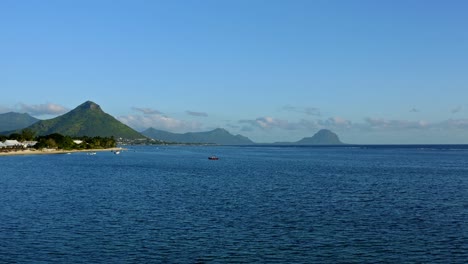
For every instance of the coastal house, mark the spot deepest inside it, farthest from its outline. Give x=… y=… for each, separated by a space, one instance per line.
x=2 y=145
x=77 y=141
x=12 y=143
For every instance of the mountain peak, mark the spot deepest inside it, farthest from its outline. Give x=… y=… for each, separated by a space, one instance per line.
x=322 y=137
x=220 y=130
x=89 y=105
x=324 y=132
x=87 y=119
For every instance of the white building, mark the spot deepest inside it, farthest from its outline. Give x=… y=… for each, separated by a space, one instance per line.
x=12 y=143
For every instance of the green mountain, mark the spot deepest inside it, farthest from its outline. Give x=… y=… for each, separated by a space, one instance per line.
x=15 y=121
x=87 y=119
x=322 y=137
x=218 y=136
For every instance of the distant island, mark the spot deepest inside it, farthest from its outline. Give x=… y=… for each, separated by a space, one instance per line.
x=89 y=120
x=322 y=137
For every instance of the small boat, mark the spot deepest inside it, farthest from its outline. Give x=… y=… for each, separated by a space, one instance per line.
x=117 y=152
x=213 y=158
x=91 y=153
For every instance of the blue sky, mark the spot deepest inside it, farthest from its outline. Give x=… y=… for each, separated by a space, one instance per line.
x=372 y=71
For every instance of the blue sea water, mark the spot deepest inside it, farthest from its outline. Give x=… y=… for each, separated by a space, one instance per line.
x=255 y=204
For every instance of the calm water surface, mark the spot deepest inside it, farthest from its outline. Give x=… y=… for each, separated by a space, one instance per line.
x=255 y=204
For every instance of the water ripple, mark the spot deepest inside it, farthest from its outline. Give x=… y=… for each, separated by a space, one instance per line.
x=275 y=205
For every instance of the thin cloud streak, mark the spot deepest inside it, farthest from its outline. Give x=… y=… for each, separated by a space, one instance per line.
x=147 y=111
x=454 y=123
x=310 y=111
x=457 y=109
x=198 y=114
x=385 y=124
x=269 y=123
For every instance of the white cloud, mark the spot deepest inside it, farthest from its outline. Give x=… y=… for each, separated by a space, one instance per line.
x=380 y=123
x=154 y=118
x=335 y=123
x=141 y=122
x=43 y=109
x=454 y=123
x=268 y=123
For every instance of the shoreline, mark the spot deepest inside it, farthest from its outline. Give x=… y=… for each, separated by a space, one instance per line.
x=51 y=152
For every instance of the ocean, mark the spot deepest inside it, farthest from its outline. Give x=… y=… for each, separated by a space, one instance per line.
x=256 y=204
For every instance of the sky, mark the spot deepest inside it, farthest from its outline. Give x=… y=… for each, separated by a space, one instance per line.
x=374 y=72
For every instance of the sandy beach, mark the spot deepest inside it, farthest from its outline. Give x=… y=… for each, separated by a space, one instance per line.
x=53 y=151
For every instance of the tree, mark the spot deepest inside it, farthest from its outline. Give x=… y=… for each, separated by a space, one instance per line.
x=15 y=136
x=66 y=142
x=28 y=134
x=50 y=143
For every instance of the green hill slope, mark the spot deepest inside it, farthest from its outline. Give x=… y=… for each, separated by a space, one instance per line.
x=87 y=119
x=14 y=121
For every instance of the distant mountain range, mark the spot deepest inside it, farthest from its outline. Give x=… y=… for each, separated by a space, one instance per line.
x=223 y=137
x=87 y=119
x=217 y=136
x=13 y=121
